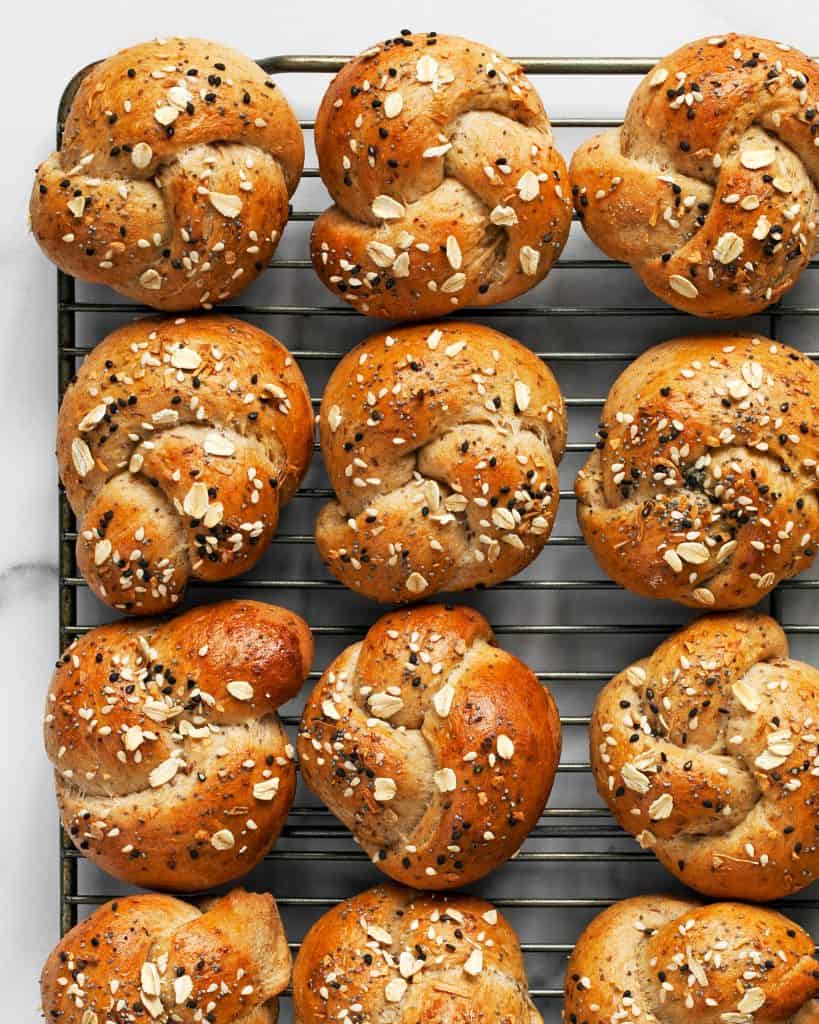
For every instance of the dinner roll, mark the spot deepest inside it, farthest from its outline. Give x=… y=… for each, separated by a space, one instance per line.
x=442 y=444
x=153 y=957
x=178 y=442
x=672 y=961
x=709 y=187
x=394 y=956
x=172 y=183
x=172 y=768
x=436 y=748
x=703 y=485
x=705 y=751
x=448 y=189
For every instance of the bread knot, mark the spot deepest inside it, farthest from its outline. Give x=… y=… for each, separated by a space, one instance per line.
x=442 y=444
x=178 y=442
x=703 y=485
x=707 y=752
x=436 y=748
x=155 y=958
x=671 y=961
x=172 y=767
x=406 y=957
x=172 y=183
x=709 y=187
x=449 y=190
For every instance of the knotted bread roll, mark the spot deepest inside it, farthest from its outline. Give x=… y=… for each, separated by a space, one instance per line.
x=394 y=956
x=436 y=748
x=449 y=190
x=670 y=961
x=178 y=443
x=703 y=485
x=172 y=768
x=707 y=751
x=708 y=189
x=172 y=183
x=153 y=957
x=442 y=444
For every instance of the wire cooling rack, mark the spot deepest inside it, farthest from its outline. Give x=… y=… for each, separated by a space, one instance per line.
x=574 y=627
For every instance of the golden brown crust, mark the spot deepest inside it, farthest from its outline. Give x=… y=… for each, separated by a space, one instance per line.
x=172 y=768
x=703 y=486
x=436 y=748
x=178 y=443
x=442 y=443
x=709 y=188
x=148 y=956
x=172 y=183
x=705 y=751
x=449 y=190
x=672 y=961
x=406 y=957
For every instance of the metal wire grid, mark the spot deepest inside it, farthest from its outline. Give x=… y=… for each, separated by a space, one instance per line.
x=597 y=854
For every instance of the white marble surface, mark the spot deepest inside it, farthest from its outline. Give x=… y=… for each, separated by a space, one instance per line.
x=49 y=42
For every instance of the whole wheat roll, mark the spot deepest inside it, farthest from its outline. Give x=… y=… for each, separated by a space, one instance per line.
x=673 y=961
x=434 y=746
x=171 y=765
x=172 y=182
x=153 y=957
x=708 y=189
x=706 y=751
x=702 y=487
x=441 y=442
x=178 y=442
x=448 y=188
x=394 y=956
